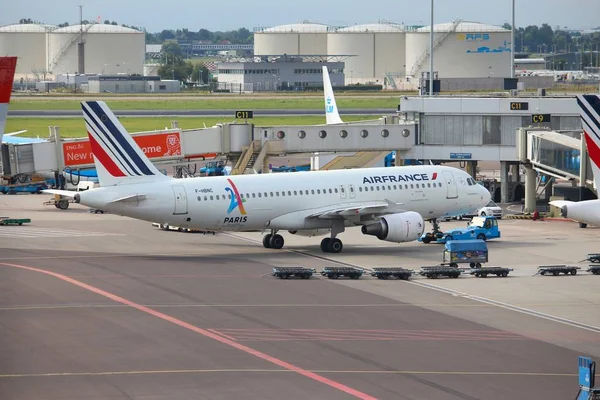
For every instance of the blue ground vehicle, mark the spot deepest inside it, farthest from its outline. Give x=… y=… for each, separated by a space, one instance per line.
x=473 y=252
x=482 y=228
x=213 y=168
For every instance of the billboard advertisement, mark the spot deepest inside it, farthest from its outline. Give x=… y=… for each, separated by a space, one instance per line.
x=154 y=146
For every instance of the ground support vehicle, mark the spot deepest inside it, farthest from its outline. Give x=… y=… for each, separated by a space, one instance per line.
x=30 y=187
x=286 y=272
x=434 y=272
x=336 y=272
x=485 y=271
x=474 y=252
x=482 y=228
x=594 y=269
x=14 y=221
x=59 y=202
x=392 y=272
x=557 y=270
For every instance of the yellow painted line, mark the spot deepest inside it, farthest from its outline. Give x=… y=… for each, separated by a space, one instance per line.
x=212 y=371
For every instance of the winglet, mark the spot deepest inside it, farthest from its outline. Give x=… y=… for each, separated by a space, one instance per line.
x=7 y=76
x=331 y=112
x=589 y=111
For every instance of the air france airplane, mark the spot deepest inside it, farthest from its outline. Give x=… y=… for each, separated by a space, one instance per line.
x=388 y=203
x=587 y=211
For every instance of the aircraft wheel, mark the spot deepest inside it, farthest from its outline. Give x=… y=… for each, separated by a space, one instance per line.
x=335 y=246
x=267 y=241
x=276 y=242
x=325 y=245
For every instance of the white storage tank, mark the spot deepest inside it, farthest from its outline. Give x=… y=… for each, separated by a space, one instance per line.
x=376 y=49
x=29 y=43
x=109 y=49
x=461 y=50
x=293 y=39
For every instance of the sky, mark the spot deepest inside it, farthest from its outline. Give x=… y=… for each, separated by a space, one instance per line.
x=223 y=16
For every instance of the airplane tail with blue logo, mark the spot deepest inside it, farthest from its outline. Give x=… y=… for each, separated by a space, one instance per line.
x=118 y=158
x=331 y=112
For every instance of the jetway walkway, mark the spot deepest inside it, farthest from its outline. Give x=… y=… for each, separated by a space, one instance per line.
x=558 y=154
x=246 y=147
x=363 y=159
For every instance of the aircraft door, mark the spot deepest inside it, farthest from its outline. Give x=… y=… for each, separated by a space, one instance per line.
x=352 y=191
x=181 y=204
x=342 y=191
x=451 y=188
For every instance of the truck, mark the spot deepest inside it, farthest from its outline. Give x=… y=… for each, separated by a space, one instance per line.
x=473 y=252
x=482 y=228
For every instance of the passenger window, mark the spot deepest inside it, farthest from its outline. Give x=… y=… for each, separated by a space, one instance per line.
x=253 y=195
x=318 y=191
x=228 y=196
x=360 y=189
x=335 y=190
x=271 y=194
x=217 y=197
x=372 y=188
x=295 y=193
x=300 y=192
x=313 y=191
x=211 y=197
x=389 y=187
x=377 y=187
x=283 y=193
x=265 y=194
x=199 y=198
x=330 y=191
x=289 y=193
x=205 y=198
x=277 y=194
x=259 y=194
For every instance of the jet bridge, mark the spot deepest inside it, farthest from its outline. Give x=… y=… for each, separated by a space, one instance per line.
x=558 y=154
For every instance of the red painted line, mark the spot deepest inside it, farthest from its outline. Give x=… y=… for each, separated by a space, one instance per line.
x=283 y=364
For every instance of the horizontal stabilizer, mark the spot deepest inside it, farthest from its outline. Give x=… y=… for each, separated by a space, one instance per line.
x=65 y=193
x=132 y=198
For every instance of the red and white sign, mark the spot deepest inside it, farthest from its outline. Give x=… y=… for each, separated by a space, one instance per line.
x=154 y=146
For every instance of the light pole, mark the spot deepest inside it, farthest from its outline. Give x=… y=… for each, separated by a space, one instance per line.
x=431 y=53
x=512 y=42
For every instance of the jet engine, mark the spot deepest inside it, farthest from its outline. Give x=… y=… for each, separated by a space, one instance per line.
x=401 y=227
x=586 y=212
x=310 y=232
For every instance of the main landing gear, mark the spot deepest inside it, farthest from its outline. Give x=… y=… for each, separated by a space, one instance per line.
x=273 y=240
x=435 y=234
x=333 y=244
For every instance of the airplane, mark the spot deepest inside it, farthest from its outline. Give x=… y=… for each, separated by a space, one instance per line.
x=587 y=211
x=388 y=203
x=332 y=116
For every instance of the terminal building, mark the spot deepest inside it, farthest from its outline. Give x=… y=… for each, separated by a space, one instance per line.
x=279 y=72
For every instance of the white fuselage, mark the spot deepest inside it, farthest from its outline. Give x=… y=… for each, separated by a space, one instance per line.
x=587 y=211
x=284 y=200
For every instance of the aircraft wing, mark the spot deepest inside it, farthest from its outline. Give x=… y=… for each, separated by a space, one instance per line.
x=559 y=203
x=370 y=208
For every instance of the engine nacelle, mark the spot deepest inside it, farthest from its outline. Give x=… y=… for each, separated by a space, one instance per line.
x=401 y=227
x=310 y=232
x=583 y=211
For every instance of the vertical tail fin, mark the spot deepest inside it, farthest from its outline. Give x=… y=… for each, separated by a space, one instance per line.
x=7 y=76
x=118 y=158
x=589 y=111
x=331 y=112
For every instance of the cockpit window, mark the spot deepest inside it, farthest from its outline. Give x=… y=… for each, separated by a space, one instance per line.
x=470 y=181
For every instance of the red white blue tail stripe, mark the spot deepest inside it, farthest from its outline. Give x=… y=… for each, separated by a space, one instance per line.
x=589 y=106
x=113 y=148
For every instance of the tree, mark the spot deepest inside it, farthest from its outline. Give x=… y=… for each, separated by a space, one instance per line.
x=199 y=73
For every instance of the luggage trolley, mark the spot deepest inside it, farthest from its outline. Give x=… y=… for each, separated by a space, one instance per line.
x=286 y=272
x=336 y=272
x=434 y=272
x=594 y=269
x=557 y=270
x=474 y=252
x=485 y=271
x=392 y=272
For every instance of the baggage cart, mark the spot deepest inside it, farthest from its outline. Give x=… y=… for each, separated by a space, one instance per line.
x=14 y=221
x=299 y=272
x=557 y=270
x=472 y=252
x=485 y=271
x=392 y=272
x=593 y=257
x=436 y=271
x=336 y=272
x=594 y=269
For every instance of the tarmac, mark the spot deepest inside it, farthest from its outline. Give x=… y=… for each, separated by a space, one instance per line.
x=99 y=306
